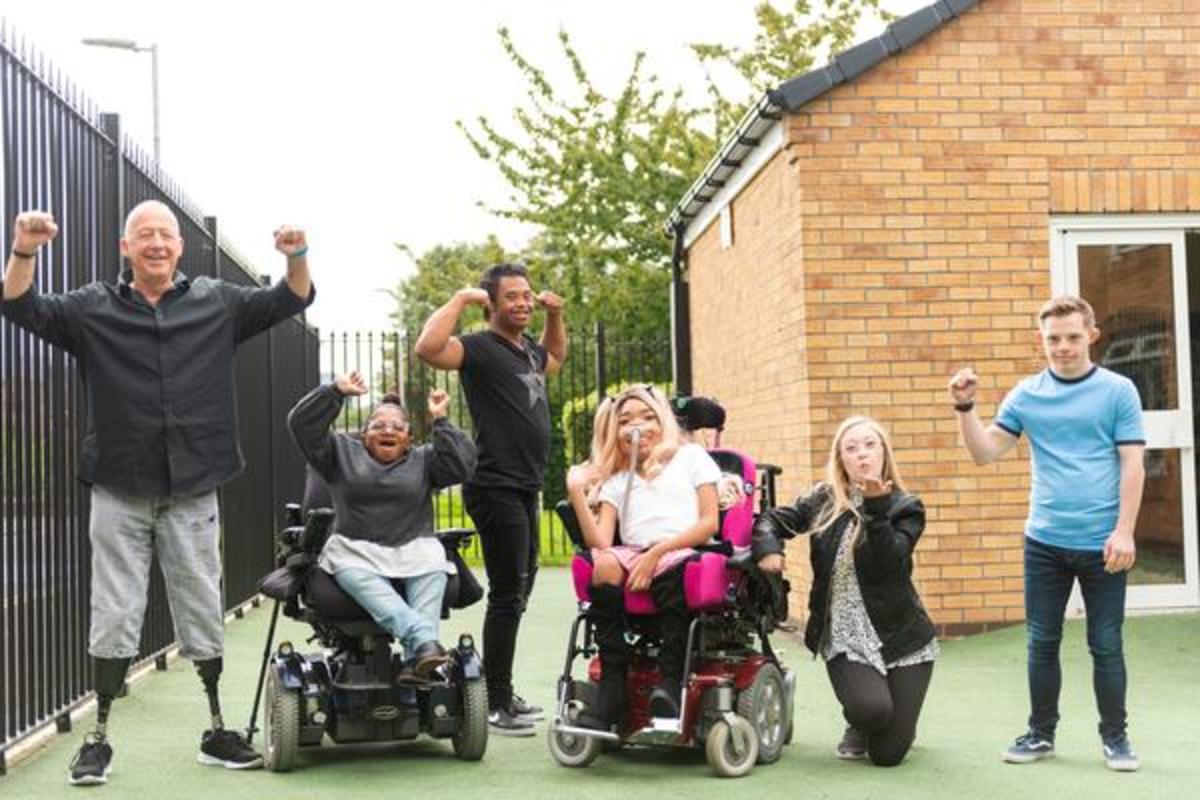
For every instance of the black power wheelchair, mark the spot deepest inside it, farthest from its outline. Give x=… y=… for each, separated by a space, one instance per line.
x=356 y=690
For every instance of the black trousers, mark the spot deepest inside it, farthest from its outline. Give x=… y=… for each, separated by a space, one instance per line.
x=884 y=709
x=507 y=520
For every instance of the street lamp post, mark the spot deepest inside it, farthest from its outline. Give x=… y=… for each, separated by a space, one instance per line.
x=152 y=49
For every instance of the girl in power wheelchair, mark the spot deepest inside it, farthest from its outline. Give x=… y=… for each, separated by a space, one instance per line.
x=672 y=625
x=381 y=574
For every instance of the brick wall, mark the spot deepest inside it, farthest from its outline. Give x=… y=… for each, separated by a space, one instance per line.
x=904 y=232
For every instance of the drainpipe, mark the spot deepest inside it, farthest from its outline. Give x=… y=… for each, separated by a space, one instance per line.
x=681 y=337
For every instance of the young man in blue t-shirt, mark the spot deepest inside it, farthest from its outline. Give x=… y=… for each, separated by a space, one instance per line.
x=1084 y=425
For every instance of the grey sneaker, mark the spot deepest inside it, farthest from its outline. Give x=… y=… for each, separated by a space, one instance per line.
x=1028 y=748
x=853 y=746
x=93 y=762
x=1119 y=756
x=502 y=723
x=519 y=708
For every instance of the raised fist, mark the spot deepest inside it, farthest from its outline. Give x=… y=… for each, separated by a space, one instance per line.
x=439 y=403
x=473 y=296
x=550 y=301
x=289 y=240
x=964 y=385
x=32 y=230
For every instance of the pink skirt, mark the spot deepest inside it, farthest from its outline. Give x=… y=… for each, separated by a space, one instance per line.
x=628 y=556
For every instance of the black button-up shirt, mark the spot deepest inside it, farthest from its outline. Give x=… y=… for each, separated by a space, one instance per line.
x=159 y=381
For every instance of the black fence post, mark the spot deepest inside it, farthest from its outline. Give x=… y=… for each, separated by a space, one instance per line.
x=112 y=199
x=601 y=363
x=210 y=225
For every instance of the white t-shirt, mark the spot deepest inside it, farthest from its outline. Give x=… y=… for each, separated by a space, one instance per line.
x=665 y=506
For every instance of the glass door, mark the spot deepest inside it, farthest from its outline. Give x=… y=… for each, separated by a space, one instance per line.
x=1137 y=283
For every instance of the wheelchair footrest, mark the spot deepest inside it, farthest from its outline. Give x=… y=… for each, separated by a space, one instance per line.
x=590 y=733
x=660 y=731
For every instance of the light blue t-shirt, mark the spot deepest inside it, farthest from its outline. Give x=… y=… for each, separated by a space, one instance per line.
x=1074 y=428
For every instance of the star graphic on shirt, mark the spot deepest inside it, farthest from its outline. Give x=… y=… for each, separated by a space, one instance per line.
x=536 y=385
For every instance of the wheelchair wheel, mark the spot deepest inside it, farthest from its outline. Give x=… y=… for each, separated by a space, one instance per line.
x=572 y=750
x=470 y=742
x=281 y=724
x=764 y=704
x=731 y=756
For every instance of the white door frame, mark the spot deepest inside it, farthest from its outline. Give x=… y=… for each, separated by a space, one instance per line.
x=1171 y=429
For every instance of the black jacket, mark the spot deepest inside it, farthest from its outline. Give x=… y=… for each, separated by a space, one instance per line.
x=882 y=562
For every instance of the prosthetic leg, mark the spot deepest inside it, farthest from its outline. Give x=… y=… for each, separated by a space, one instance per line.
x=209 y=671
x=110 y=677
x=92 y=762
x=220 y=747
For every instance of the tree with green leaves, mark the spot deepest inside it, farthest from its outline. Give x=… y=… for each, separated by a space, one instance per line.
x=787 y=44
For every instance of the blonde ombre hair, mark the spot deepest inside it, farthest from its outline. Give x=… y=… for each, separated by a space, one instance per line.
x=606 y=439
x=838 y=479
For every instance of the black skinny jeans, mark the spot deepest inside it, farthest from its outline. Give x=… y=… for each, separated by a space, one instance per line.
x=883 y=709
x=507 y=520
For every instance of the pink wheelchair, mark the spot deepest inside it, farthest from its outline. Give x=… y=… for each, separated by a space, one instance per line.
x=737 y=696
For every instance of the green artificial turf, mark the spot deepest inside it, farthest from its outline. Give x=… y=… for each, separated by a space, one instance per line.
x=976 y=705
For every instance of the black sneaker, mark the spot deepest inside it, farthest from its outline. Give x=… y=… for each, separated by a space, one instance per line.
x=519 y=708
x=1120 y=756
x=502 y=723
x=1028 y=748
x=91 y=765
x=224 y=748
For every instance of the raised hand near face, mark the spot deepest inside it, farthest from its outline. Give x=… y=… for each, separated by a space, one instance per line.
x=473 y=296
x=874 y=487
x=552 y=303
x=439 y=403
x=350 y=384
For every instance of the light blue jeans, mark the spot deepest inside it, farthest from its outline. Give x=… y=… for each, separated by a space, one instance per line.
x=126 y=531
x=413 y=621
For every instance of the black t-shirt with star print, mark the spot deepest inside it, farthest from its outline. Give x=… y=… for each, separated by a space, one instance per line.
x=506 y=394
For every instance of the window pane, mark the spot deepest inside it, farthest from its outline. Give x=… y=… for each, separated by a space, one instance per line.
x=1130 y=288
x=1159 y=535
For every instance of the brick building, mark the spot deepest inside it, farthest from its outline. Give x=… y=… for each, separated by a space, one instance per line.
x=875 y=224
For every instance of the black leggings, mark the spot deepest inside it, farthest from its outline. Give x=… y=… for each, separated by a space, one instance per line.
x=885 y=710
x=508 y=530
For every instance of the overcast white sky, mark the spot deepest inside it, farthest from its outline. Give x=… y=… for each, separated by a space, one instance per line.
x=340 y=116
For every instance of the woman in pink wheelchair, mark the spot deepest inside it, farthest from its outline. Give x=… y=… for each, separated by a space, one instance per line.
x=865 y=620
x=661 y=493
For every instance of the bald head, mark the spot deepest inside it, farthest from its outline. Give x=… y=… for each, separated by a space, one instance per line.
x=151 y=210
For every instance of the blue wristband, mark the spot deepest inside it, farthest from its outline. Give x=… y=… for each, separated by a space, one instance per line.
x=303 y=251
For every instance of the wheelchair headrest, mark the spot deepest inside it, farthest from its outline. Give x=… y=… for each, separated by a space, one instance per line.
x=696 y=413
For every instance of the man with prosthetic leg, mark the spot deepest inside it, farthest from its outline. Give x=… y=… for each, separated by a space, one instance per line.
x=155 y=353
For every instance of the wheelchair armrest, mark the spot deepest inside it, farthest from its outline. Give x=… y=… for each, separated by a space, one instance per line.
x=723 y=548
x=317 y=527
x=743 y=560
x=454 y=537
